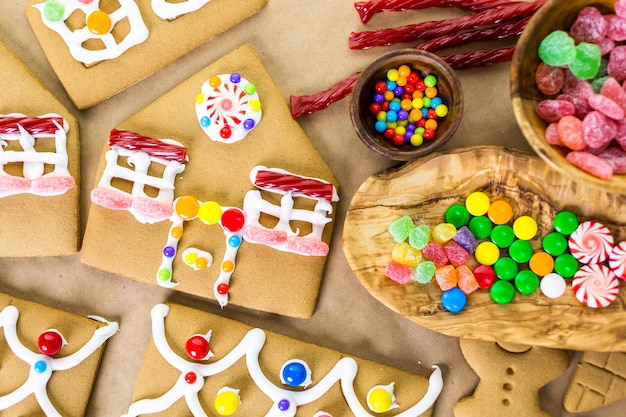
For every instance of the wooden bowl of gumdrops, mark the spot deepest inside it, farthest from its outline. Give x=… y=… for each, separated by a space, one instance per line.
x=406 y=104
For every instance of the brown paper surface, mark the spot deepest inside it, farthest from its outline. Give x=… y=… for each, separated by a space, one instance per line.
x=167 y=41
x=264 y=278
x=69 y=389
x=37 y=225
x=304 y=48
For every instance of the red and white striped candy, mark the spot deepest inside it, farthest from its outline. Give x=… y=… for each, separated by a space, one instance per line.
x=617 y=260
x=591 y=242
x=595 y=286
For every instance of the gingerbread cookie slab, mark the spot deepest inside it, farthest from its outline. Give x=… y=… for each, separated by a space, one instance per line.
x=244 y=221
x=100 y=47
x=39 y=167
x=205 y=364
x=48 y=358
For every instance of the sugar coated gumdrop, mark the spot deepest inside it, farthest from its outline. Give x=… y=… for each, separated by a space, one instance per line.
x=424 y=272
x=557 y=49
x=589 y=26
x=591 y=164
x=406 y=254
x=434 y=252
x=466 y=280
x=549 y=79
x=399 y=229
x=446 y=276
x=465 y=239
x=443 y=232
x=419 y=236
x=398 y=272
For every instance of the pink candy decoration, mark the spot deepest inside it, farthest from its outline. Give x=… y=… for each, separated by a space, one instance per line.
x=307 y=246
x=606 y=106
x=595 y=286
x=589 y=26
x=9 y=183
x=614 y=91
x=570 y=130
x=399 y=273
x=616 y=29
x=434 y=252
x=617 y=63
x=597 y=129
x=590 y=163
x=264 y=236
x=455 y=253
x=617 y=260
x=620 y=8
x=552 y=135
x=591 y=242
x=553 y=110
x=53 y=185
x=111 y=199
x=151 y=209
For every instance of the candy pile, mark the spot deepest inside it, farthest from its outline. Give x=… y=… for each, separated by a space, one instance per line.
x=584 y=72
x=481 y=246
x=487 y=19
x=406 y=106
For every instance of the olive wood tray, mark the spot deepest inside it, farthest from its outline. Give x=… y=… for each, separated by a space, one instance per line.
x=425 y=188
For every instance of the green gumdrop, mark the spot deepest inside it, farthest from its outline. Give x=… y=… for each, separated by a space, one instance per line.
x=557 y=49
x=419 y=237
x=399 y=229
x=53 y=10
x=424 y=272
x=587 y=62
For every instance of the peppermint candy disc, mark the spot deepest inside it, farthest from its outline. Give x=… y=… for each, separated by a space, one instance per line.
x=595 y=286
x=617 y=260
x=591 y=242
x=228 y=107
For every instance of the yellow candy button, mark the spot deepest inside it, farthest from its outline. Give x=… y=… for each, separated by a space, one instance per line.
x=487 y=253
x=525 y=227
x=210 y=212
x=226 y=402
x=99 y=22
x=379 y=400
x=477 y=203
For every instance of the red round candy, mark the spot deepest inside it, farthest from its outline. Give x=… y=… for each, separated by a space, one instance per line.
x=421 y=123
x=409 y=88
x=233 y=220
x=429 y=134
x=191 y=377
x=197 y=347
x=485 y=276
x=380 y=87
x=406 y=96
x=375 y=108
x=412 y=78
x=225 y=132
x=420 y=86
x=398 y=140
x=385 y=106
x=50 y=342
x=222 y=289
x=431 y=114
x=389 y=133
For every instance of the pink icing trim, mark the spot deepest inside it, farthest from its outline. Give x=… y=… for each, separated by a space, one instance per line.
x=33 y=125
x=151 y=209
x=309 y=187
x=111 y=199
x=53 y=185
x=153 y=147
x=8 y=183
x=307 y=246
x=264 y=236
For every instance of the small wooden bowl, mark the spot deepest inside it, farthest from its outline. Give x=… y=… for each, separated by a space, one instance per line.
x=425 y=63
x=554 y=15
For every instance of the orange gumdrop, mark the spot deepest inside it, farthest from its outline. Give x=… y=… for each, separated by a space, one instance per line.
x=446 y=277
x=467 y=280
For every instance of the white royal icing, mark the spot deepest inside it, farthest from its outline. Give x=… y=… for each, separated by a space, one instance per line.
x=227 y=106
x=33 y=162
x=285 y=401
x=75 y=39
x=168 y=11
x=43 y=366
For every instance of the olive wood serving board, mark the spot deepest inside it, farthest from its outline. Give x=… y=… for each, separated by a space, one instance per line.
x=425 y=188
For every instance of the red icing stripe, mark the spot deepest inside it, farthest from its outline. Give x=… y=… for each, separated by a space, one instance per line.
x=33 y=125
x=296 y=184
x=153 y=147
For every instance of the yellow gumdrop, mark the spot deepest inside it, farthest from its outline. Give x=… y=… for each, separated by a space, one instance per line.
x=210 y=212
x=443 y=232
x=226 y=402
x=379 y=400
x=191 y=258
x=477 y=203
x=186 y=207
x=406 y=254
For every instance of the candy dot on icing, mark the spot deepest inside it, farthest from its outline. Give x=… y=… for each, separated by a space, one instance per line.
x=186 y=207
x=191 y=377
x=226 y=132
x=53 y=10
x=197 y=347
x=210 y=212
x=199 y=98
x=50 y=342
x=284 y=404
x=40 y=367
x=295 y=373
x=201 y=263
x=169 y=251
x=205 y=121
x=227 y=401
x=255 y=105
x=234 y=241
x=248 y=124
x=222 y=289
x=235 y=77
x=215 y=81
x=233 y=220
x=381 y=399
x=99 y=22
x=164 y=275
x=249 y=89
x=177 y=232
x=228 y=266
x=191 y=258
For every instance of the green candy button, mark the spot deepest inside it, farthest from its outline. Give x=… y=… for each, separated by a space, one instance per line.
x=565 y=222
x=566 y=265
x=505 y=268
x=480 y=226
x=521 y=251
x=526 y=281
x=502 y=235
x=554 y=243
x=502 y=292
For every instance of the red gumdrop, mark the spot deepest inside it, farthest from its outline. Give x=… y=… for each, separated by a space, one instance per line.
x=549 y=79
x=606 y=45
x=399 y=273
x=620 y=8
x=620 y=133
x=617 y=63
x=553 y=110
x=614 y=91
x=576 y=87
x=581 y=106
x=485 y=276
x=615 y=157
x=606 y=106
x=589 y=26
x=598 y=130
x=434 y=252
x=455 y=253
x=616 y=29
x=552 y=135
x=570 y=131
x=197 y=347
x=590 y=163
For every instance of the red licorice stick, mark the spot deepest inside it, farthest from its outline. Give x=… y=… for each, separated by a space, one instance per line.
x=290 y=183
x=367 y=9
x=481 y=58
x=301 y=105
x=495 y=32
x=436 y=28
x=156 y=148
x=33 y=125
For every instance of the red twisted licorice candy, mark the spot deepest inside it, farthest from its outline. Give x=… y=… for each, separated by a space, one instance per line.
x=480 y=58
x=301 y=105
x=435 y=28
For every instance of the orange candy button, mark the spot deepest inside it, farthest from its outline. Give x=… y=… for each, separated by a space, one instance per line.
x=541 y=263
x=99 y=22
x=187 y=207
x=500 y=212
